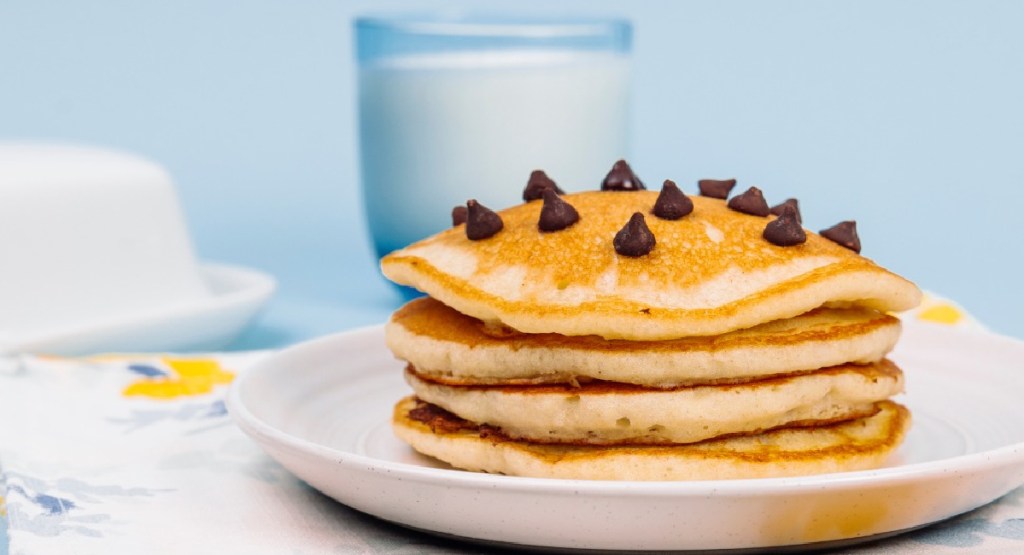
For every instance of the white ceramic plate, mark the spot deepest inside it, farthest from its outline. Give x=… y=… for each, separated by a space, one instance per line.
x=322 y=409
x=237 y=295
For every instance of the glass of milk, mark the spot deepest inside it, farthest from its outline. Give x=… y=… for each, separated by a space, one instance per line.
x=452 y=109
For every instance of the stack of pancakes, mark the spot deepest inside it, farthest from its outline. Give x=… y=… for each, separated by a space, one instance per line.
x=716 y=354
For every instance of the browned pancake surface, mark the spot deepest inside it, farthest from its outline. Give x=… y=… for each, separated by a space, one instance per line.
x=882 y=369
x=711 y=272
x=445 y=344
x=430 y=318
x=850 y=445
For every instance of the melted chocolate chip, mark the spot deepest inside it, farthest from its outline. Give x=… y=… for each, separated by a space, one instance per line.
x=845 y=234
x=481 y=222
x=750 y=202
x=785 y=231
x=459 y=214
x=635 y=238
x=716 y=188
x=672 y=204
x=438 y=419
x=494 y=433
x=622 y=178
x=537 y=184
x=777 y=209
x=556 y=214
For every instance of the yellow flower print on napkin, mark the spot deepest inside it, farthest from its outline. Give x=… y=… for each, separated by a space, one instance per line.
x=187 y=377
x=941 y=314
x=938 y=310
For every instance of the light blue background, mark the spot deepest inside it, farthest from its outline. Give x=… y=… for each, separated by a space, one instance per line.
x=906 y=116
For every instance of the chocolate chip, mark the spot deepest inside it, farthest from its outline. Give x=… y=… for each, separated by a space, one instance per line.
x=622 y=178
x=750 y=202
x=537 y=184
x=672 y=204
x=481 y=222
x=635 y=238
x=716 y=188
x=459 y=214
x=493 y=433
x=785 y=231
x=845 y=234
x=777 y=209
x=556 y=214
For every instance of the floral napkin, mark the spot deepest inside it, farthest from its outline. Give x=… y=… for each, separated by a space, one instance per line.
x=137 y=454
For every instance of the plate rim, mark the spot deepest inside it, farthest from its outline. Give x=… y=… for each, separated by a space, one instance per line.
x=231 y=287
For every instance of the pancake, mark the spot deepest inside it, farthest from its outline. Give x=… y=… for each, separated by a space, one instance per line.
x=852 y=445
x=601 y=413
x=446 y=345
x=711 y=272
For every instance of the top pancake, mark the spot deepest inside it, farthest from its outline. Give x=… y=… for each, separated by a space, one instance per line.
x=710 y=272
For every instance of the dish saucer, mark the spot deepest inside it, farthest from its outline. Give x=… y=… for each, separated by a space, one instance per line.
x=322 y=409
x=237 y=295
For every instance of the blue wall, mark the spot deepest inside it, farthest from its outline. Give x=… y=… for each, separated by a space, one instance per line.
x=906 y=116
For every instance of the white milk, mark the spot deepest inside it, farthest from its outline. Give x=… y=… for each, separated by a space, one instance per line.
x=437 y=130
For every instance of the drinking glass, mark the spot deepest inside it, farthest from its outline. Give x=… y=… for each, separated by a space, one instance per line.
x=454 y=108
